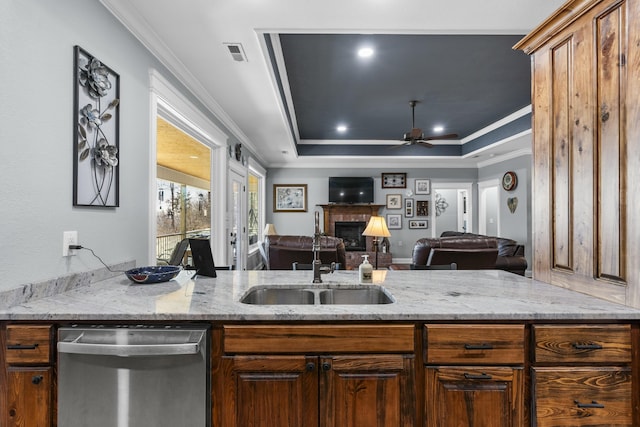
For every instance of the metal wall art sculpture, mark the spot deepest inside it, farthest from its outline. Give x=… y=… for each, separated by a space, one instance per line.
x=96 y=132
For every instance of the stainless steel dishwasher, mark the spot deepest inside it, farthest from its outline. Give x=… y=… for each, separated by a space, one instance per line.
x=142 y=376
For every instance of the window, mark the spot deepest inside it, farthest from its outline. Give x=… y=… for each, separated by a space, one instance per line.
x=183 y=211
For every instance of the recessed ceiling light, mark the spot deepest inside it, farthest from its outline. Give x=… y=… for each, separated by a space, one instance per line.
x=438 y=128
x=341 y=128
x=365 y=52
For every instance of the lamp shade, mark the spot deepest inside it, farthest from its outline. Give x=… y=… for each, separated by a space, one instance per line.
x=377 y=227
x=270 y=230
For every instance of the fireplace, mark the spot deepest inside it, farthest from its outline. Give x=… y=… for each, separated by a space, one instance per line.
x=351 y=234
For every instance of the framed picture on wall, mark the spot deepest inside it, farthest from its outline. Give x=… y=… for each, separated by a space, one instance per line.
x=289 y=197
x=408 y=208
x=394 y=201
x=394 y=221
x=423 y=186
x=394 y=180
x=422 y=208
x=419 y=223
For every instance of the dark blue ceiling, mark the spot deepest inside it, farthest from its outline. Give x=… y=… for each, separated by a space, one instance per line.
x=463 y=82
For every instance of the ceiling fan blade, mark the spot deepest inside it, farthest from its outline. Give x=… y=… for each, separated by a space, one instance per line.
x=424 y=144
x=404 y=144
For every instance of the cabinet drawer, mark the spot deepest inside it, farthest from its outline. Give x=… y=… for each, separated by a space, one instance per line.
x=475 y=344
x=277 y=339
x=608 y=344
x=28 y=344
x=582 y=396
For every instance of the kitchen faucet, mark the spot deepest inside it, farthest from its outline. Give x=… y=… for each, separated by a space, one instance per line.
x=318 y=270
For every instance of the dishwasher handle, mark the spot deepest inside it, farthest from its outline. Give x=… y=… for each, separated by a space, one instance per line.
x=131 y=350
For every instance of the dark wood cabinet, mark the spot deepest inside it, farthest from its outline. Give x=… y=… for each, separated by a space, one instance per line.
x=474 y=375
x=367 y=390
x=474 y=396
x=28 y=373
x=586 y=131
x=29 y=396
x=582 y=396
x=312 y=391
x=355 y=387
x=582 y=375
x=270 y=391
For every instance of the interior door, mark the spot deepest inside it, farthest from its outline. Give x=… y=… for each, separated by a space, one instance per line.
x=489 y=208
x=237 y=220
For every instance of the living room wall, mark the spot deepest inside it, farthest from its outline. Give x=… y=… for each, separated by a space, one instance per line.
x=402 y=240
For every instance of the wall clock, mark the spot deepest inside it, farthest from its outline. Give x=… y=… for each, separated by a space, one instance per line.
x=394 y=180
x=509 y=181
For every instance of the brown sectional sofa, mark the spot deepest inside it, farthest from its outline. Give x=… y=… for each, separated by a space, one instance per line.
x=474 y=252
x=283 y=251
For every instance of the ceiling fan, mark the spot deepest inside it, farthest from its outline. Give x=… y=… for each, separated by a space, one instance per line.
x=416 y=137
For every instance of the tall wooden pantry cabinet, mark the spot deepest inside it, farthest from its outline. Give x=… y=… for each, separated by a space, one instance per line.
x=586 y=131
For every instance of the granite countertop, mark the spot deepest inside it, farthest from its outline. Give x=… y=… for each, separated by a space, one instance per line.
x=419 y=295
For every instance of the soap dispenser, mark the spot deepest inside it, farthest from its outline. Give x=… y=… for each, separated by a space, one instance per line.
x=366 y=270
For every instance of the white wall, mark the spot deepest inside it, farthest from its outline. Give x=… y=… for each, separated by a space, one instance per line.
x=36 y=115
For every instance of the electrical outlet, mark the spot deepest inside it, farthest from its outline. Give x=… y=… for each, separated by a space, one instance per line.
x=69 y=238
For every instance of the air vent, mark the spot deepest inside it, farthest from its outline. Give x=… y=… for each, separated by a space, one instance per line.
x=236 y=51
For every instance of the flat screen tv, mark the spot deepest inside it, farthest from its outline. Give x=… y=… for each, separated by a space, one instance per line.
x=343 y=189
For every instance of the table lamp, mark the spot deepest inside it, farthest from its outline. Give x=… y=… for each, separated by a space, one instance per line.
x=270 y=230
x=377 y=227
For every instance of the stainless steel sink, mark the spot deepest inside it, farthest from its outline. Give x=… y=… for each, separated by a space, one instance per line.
x=372 y=295
x=273 y=296
x=331 y=294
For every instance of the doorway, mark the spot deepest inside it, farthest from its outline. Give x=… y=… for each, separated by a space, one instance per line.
x=489 y=207
x=237 y=232
x=169 y=104
x=452 y=208
x=183 y=188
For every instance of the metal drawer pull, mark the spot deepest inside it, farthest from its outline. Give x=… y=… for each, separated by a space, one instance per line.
x=587 y=346
x=481 y=376
x=37 y=379
x=593 y=404
x=22 y=347
x=483 y=346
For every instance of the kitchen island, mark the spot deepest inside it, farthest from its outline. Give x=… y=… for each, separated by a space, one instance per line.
x=475 y=347
x=419 y=295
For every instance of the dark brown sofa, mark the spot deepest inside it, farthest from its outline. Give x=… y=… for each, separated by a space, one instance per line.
x=474 y=252
x=283 y=251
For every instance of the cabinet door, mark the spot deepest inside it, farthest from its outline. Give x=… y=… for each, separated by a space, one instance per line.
x=367 y=391
x=270 y=391
x=29 y=397
x=473 y=396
